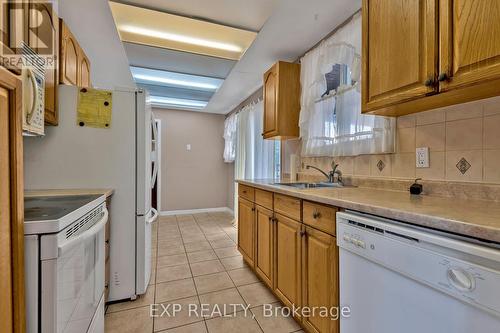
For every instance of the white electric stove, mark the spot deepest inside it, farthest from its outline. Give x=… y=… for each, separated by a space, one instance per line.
x=64 y=263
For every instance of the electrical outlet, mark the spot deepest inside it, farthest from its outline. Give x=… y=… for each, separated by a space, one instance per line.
x=188 y=147
x=423 y=157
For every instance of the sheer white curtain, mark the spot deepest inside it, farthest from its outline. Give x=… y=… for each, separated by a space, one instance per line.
x=254 y=155
x=334 y=125
x=230 y=138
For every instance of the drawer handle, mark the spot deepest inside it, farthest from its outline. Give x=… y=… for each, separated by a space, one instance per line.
x=245 y=192
x=316 y=215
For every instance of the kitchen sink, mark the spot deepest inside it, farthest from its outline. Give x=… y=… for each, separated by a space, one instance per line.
x=303 y=186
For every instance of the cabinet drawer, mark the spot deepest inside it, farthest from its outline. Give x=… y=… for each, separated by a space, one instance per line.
x=287 y=206
x=264 y=198
x=320 y=217
x=246 y=192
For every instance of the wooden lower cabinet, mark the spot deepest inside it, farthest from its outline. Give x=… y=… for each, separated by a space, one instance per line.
x=297 y=261
x=320 y=279
x=287 y=245
x=264 y=257
x=246 y=229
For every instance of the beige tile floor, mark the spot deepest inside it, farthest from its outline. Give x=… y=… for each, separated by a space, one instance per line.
x=195 y=261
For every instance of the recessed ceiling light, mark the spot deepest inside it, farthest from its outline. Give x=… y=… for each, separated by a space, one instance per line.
x=181 y=38
x=177 y=102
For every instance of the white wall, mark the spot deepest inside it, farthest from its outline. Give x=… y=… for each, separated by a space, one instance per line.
x=92 y=24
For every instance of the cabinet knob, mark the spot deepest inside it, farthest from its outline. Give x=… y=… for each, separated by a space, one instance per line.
x=443 y=77
x=253 y=209
x=429 y=82
x=316 y=215
x=302 y=233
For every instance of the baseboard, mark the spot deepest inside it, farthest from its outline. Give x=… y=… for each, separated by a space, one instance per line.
x=195 y=211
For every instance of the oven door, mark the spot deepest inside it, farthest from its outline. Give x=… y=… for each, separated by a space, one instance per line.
x=73 y=281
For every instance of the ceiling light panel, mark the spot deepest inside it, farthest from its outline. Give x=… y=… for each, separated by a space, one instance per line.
x=177 y=103
x=150 y=27
x=172 y=79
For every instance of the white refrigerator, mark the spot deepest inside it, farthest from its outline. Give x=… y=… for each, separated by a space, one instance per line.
x=119 y=157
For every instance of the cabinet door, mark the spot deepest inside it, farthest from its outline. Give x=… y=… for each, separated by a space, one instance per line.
x=399 y=51
x=246 y=221
x=14 y=31
x=44 y=33
x=264 y=244
x=287 y=282
x=69 y=62
x=12 y=308
x=270 y=101
x=320 y=282
x=84 y=71
x=470 y=42
x=6 y=312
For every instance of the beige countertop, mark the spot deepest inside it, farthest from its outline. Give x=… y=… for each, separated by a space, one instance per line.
x=56 y=192
x=473 y=218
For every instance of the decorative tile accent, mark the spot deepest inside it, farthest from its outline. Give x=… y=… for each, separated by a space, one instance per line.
x=463 y=165
x=380 y=165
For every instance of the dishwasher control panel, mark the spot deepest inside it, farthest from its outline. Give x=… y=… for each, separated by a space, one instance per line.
x=410 y=253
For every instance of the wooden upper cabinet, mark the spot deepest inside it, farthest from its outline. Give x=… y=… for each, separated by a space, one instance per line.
x=281 y=101
x=270 y=94
x=320 y=282
x=69 y=56
x=399 y=53
x=74 y=63
x=424 y=54
x=47 y=33
x=14 y=30
x=84 y=71
x=470 y=42
x=246 y=229
x=264 y=258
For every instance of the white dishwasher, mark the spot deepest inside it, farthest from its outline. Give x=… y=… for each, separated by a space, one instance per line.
x=399 y=278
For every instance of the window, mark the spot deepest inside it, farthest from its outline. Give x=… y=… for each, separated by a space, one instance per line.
x=277 y=159
x=331 y=123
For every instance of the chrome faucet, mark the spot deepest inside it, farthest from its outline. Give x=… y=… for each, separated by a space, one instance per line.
x=331 y=175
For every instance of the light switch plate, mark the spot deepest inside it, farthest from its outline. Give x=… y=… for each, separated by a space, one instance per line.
x=188 y=147
x=422 y=157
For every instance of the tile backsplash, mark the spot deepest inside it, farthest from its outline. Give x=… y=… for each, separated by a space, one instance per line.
x=463 y=141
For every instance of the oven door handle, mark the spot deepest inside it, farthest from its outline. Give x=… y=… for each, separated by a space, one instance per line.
x=93 y=230
x=154 y=217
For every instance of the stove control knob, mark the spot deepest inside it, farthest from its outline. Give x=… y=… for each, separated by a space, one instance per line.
x=347 y=238
x=460 y=279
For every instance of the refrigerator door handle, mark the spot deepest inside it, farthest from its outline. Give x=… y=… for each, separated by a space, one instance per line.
x=155 y=154
x=154 y=217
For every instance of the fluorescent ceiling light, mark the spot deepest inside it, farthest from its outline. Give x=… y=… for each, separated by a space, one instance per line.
x=174 y=82
x=177 y=102
x=181 y=38
x=171 y=79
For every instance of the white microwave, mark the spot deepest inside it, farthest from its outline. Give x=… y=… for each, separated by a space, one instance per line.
x=33 y=78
